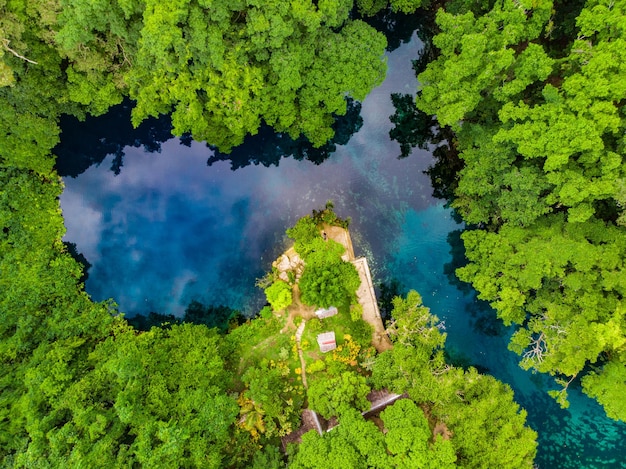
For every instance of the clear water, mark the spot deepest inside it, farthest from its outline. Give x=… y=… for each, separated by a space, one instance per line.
x=169 y=229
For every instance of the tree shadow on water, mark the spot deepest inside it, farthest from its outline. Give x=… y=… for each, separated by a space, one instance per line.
x=268 y=147
x=219 y=316
x=398 y=28
x=484 y=320
x=385 y=293
x=89 y=142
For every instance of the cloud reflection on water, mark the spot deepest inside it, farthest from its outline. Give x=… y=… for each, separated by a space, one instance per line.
x=170 y=229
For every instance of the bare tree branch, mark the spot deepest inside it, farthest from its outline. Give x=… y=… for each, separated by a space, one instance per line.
x=5 y=43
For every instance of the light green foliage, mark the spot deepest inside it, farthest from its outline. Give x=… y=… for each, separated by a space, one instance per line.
x=335 y=395
x=38 y=94
x=327 y=279
x=270 y=388
x=331 y=284
x=608 y=386
x=478 y=59
x=487 y=426
x=568 y=277
x=304 y=232
x=48 y=325
x=41 y=297
x=413 y=325
x=154 y=399
x=99 y=39
x=540 y=132
x=408 y=438
x=354 y=443
x=278 y=295
x=371 y=7
x=357 y=442
x=492 y=187
x=416 y=359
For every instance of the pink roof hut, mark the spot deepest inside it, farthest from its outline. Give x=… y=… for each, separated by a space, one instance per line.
x=326 y=341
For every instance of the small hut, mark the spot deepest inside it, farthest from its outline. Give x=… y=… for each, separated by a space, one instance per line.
x=326 y=341
x=326 y=313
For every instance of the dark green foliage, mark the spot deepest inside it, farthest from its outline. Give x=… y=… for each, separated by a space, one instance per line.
x=413 y=128
x=487 y=425
x=333 y=283
x=328 y=216
x=361 y=332
x=145 y=322
x=535 y=96
x=218 y=316
x=335 y=395
x=269 y=457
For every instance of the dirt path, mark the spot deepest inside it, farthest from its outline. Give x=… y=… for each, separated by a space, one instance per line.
x=299 y=333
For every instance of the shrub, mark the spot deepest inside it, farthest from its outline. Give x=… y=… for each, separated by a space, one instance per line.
x=279 y=295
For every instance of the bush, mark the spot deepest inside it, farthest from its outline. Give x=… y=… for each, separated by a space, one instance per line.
x=314 y=326
x=303 y=233
x=362 y=332
x=317 y=365
x=279 y=295
x=330 y=284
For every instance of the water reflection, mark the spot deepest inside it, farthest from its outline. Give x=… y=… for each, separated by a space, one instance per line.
x=218 y=316
x=88 y=143
x=268 y=147
x=168 y=230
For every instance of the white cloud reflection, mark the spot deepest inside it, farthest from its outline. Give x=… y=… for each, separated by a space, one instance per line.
x=169 y=228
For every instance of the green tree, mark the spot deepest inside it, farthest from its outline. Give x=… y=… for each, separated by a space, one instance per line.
x=221 y=69
x=155 y=399
x=608 y=385
x=332 y=285
x=278 y=295
x=354 y=443
x=479 y=63
x=537 y=111
x=408 y=439
x=478 y=410
x=334 y=395
x=561 y=283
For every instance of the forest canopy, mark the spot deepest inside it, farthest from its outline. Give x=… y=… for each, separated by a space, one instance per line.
x=534 y=93
x=220 y=68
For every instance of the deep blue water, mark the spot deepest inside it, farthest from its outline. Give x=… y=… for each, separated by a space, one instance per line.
x=169 y=229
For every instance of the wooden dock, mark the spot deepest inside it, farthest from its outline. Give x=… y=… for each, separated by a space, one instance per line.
x=365 y=293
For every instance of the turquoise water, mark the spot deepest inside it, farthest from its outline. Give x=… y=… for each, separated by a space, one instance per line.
x=169 y=229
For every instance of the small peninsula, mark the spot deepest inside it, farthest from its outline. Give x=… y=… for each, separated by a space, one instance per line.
x=319 y=358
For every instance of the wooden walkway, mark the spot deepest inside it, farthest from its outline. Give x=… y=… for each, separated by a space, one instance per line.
x=371 y=313
x=365 y=293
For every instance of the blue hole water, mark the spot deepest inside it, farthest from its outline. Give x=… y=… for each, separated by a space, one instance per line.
x=169 y=229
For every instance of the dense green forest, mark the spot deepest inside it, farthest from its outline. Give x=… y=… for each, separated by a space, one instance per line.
x=528 y=96
x=534 y=95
